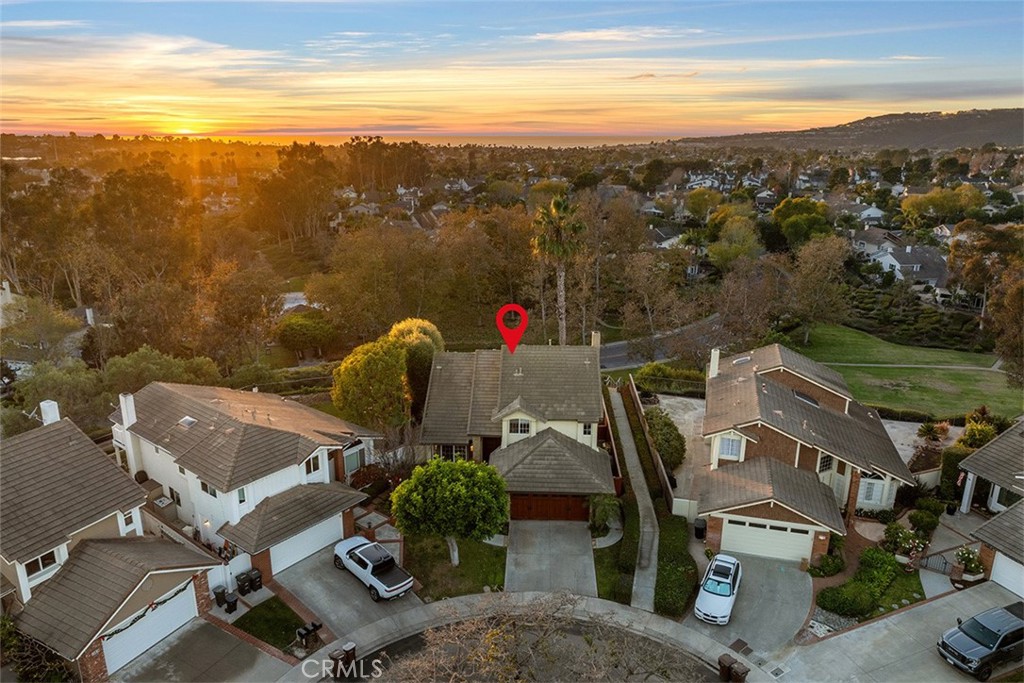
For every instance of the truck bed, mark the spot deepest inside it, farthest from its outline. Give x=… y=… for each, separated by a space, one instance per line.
x=393 y=577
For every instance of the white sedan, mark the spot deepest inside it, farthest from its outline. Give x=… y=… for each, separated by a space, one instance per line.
x=718 y=589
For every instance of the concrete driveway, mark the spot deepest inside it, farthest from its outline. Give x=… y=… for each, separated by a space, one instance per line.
x=774 y=601
x=900 y=647
x=199 y=651
x=337 y=597
x=550 y=556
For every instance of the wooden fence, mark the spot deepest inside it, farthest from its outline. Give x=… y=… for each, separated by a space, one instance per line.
x=659 y=466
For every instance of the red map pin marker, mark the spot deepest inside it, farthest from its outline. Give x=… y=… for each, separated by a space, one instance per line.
x=511 y=335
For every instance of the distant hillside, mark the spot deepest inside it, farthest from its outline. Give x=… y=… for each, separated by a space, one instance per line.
x=933 y=130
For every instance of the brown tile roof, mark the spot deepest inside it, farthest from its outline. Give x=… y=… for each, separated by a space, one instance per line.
x=1001 y=460
x=1003 y=532
x=446 y=412
x=468 y=391
x=739 y=395
x=238 y=436
x=765 y=479
x=56 y=481
x=68 y=611
x=551 y=462
x=285 y=514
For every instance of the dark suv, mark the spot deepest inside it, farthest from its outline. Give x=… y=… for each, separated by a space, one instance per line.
x=985 y=640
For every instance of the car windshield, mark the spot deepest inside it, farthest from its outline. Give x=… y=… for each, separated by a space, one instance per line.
x=980 y=633
x=716 y=587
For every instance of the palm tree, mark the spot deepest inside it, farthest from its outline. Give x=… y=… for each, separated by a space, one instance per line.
x=557 y=241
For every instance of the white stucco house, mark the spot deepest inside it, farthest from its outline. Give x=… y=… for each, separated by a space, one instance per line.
x=258 y=479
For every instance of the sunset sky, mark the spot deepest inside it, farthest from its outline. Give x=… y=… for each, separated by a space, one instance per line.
x=421 y=69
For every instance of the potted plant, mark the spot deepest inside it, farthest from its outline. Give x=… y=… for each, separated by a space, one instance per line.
x=970 y=560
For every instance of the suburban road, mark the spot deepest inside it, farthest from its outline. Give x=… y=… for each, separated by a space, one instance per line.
x=616 y=356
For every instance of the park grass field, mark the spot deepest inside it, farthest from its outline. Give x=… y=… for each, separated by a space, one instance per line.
x=941 y=392
x=836 y=344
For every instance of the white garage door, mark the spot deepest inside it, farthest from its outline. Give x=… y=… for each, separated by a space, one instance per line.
x=150 y=629
x=305 y=543
x=767 y=539
x=1008 y=574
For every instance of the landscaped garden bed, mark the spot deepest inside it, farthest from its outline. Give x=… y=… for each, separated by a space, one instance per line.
x=272 y=621
x=481 y=567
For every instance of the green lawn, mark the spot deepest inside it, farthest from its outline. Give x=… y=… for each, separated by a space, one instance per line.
x=835 y=344
x=942 y=393
x=905 y=587
x=294 y=284
x=426 y=558
x=271 y=621
x=608 y=576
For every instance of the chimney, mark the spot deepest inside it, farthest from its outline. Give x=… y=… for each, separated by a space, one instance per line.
x=713 y=370
x=49 y=411
x=127 y=410
x=595 y=339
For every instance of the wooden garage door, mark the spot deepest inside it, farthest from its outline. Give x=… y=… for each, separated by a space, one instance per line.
x=545 y=506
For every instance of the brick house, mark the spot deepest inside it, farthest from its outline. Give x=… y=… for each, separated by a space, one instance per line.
x=791 y=453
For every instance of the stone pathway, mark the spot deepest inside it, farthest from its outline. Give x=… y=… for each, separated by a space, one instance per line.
x=647 y=559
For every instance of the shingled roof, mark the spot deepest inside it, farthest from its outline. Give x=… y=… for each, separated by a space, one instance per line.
x=1003 y=532
x=1001 y=460
x=56 y=481
x=551 y=462
x=68 y=611
x=234 y=437
x=469 y=392
x=281 y=516
x=744 y=393
x=762 y=480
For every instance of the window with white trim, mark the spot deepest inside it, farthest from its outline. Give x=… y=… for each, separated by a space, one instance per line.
x=38 y=564
x=313 y=465
x=824 y=463
x=871 y=487
x=517 y=426
x=174 y=495
x=129 y=518
x=241 y=495
x=207 y=489
x=588 y=429
x=729 y=447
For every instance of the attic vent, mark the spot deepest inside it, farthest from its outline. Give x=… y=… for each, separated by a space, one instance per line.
x=741 y=361
x=805 y=398
x=187 y=421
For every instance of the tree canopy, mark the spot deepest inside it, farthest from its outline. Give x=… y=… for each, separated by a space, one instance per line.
x=459 y=499
x=370 y=386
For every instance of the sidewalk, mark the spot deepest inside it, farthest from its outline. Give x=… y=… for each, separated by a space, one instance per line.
x=647 y=559
x=377 y=635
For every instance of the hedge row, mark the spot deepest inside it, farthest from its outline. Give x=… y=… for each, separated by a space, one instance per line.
x=909 y=415
x=646 y=459
x=677 y=570
x=629 y=546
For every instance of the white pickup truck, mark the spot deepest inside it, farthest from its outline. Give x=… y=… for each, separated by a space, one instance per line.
x=374 y=566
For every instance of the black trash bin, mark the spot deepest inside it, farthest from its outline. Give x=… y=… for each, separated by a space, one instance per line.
x=739 y=673
x=218 y=595
x=700 y=528
x=950 y=509
x=337 y=664
x=230 y=602
x=244 y=582
x=725 y=664
x=257 y=579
